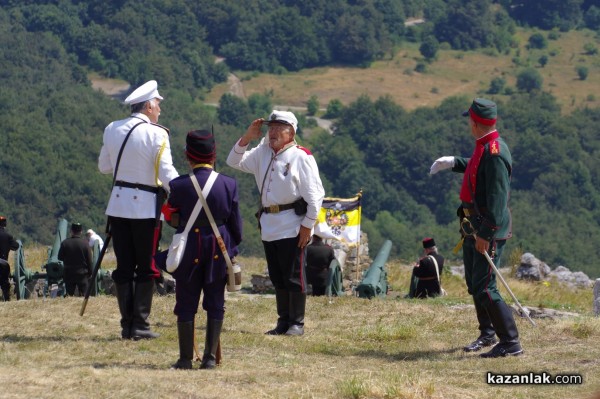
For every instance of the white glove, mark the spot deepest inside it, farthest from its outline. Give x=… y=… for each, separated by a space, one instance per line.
x=441 y=164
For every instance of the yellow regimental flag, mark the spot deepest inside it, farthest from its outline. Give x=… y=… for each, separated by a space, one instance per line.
x=339 y=218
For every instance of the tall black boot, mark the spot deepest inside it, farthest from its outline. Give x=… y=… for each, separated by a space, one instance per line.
x=487 y=335
x=297 y=308
x=213 y=333
x=125 y=301
x=6 y=293
x=506 y=328
x=142 y=305
x=185 y=332
x=283 y=311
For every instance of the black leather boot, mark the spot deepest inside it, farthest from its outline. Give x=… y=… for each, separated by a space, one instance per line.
x=185 y=332
x=213 y=333
x=6 y=293
x=297 y=308
x=283 y=311
x=506 y=329
x=487 y=335
x=142 y=305
x=125 y=301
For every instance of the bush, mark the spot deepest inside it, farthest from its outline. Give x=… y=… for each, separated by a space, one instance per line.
x=496 y=85
x=538 y=41
x=529 y=80
x=582 y=72
x=334 y=109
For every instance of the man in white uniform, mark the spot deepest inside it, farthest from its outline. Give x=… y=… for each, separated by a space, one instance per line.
x=137 y=152
x=291 y=194
x=92 y=238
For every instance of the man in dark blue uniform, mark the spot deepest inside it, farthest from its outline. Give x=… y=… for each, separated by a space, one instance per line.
x=486 y=223
x=203 y=267
x=7 y=243
x=425 y=281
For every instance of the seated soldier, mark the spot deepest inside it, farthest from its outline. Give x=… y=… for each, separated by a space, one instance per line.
x=318 y=258
x=424 y=281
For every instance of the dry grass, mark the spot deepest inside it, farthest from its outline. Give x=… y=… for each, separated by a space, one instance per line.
x=353 y=348
x=454 y=73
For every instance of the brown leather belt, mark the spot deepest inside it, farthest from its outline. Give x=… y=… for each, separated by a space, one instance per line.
x=278 y=208
x=427 y=278
x=472 y=212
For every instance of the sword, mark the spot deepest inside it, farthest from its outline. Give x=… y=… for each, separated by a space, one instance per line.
x=92 y=279
x=523 y=310
x=468 y=230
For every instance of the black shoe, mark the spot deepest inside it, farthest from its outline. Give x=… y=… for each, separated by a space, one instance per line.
x=280 y=329
x=504 y=349
x=136 y=335
x=479 y=344
x=295 y=329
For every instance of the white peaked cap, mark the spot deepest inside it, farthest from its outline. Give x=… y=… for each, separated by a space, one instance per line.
x=285 y=117
x=145 y=92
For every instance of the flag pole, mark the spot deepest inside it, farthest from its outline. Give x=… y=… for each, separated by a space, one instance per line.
x=359 y=195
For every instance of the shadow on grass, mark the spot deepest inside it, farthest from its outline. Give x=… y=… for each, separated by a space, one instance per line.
x=412 y=356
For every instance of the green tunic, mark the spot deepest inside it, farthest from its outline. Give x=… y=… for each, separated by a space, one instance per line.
x=492 y=191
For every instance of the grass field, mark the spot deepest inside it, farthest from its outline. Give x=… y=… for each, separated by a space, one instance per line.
x=454 y=73
x=353 y=348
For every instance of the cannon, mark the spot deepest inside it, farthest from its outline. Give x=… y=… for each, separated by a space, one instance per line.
x=54 y=269
x=334 y=281
x=374 y=282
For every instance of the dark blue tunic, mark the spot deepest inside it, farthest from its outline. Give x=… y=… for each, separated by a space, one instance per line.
x=203 y=266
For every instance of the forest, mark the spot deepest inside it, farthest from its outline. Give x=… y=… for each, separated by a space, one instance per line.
x=52 y=120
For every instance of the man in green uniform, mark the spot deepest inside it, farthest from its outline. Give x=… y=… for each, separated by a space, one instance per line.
x=484 y=195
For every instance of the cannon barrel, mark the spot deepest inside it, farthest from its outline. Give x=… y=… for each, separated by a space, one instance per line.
x=374 y=281
x=22 y=275
x=55 y=269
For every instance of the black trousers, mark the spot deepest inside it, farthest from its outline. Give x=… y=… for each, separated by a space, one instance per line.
x=286 y=264
x=77 y=281
x=134 y=242
x=4 y=276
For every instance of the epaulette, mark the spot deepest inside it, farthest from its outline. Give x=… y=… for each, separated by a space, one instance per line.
x=494 y=147
x=162 y=127
x=306 y=150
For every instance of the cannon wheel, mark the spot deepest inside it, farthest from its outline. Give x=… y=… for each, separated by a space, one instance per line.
x=19 y=275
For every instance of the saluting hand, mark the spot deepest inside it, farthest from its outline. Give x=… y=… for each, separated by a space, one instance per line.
x=253 y=132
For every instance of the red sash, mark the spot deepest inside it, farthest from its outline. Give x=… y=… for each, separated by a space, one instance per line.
x=467 y=190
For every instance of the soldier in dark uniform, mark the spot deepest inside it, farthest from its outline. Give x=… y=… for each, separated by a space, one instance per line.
x=424 y=280
x=7 y=243
x=318 y=258
x=484 y=195
x=145 y=167
x=76 y=256
x=203 y=267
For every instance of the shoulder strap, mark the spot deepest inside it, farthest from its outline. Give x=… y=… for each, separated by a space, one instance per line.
x=437 y=272
x=196 y=211
x=215 y=229
x=121 y=150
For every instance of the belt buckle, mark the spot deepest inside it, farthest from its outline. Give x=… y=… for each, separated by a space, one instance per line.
x=273 y=208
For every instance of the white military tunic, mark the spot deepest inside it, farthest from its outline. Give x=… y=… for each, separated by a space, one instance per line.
x=292 y=174
x=141 y=157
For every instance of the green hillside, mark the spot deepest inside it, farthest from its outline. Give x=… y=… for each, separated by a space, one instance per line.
x=397 y=113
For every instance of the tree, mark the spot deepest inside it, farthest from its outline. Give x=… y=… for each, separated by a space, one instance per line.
x=496 y=85
x=429 y=48
x=529 y=80
x=312 y=105
x=543 y=60
x=233 y=110
x=538 y=41
x=334 y=109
